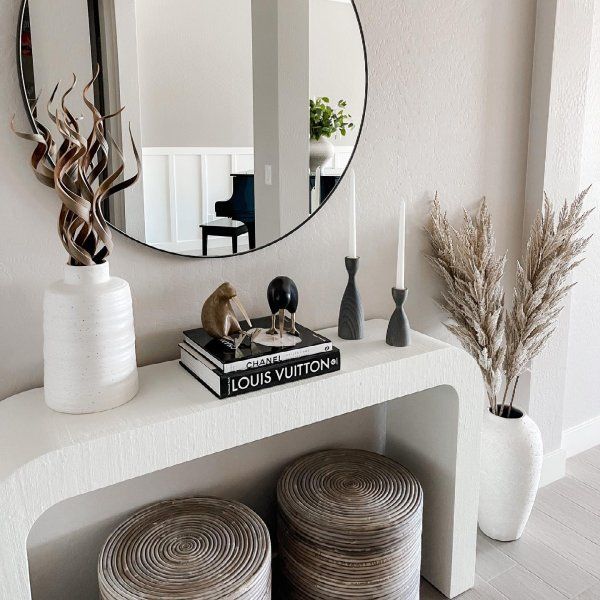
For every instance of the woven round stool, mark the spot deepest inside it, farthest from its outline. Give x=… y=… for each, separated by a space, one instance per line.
x=349 y=527
x=193 y=549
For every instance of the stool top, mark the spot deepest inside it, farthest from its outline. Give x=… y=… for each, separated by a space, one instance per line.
x=192 y=549
x=347 y=497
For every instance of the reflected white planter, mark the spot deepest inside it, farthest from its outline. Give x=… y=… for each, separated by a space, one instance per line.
x=321 y=153
x=89 y=342
x=511 y=464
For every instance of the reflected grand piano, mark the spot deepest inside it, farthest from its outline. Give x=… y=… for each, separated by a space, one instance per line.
x=241 y=204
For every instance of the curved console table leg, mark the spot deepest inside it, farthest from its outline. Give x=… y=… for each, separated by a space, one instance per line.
x=448 y=469
x=14 y=528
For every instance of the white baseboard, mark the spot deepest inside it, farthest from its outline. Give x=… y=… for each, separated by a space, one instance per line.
x=581 y=437
x=574 y=441
x=554 y=467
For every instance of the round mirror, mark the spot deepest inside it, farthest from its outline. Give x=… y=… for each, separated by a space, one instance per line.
x=246 y=113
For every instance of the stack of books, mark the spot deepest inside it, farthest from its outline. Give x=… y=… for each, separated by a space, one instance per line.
x=228 y=371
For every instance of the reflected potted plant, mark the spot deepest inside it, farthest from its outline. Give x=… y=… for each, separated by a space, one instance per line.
x=325 y=122
x=504 y=342
x=89 y=339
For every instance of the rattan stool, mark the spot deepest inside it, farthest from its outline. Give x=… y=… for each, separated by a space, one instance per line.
x=349 y=527
x=194 y=549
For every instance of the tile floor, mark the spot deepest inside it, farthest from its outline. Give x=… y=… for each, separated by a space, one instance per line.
x=558 y=556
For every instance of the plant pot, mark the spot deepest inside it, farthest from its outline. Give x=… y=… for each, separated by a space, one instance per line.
x=321 y=153
x=511 y=464
x=89 y=342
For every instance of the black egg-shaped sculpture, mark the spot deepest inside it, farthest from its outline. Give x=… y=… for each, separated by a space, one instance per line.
x=282 y=295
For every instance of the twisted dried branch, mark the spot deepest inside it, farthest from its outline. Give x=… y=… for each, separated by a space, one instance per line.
x=78 y=170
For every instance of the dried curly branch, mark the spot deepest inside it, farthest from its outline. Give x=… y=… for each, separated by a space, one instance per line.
x=78 y=171
x=466 y=260
x=474 y=299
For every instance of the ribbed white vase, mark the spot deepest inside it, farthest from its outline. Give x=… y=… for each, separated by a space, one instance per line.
x=511 y=464
x=89 y=342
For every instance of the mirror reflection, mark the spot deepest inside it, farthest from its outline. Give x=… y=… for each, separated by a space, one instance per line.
x=246 y=112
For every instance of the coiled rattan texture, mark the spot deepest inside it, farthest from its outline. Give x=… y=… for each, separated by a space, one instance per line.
x=349 y=527
x=192 y=549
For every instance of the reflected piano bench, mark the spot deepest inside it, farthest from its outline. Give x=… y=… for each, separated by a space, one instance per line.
x=224 y=227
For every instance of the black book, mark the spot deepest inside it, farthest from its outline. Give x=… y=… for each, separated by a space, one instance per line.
x=225 y=385
x=226 y=357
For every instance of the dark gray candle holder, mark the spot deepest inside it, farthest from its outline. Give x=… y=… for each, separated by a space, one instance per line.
x=351 y=323
x=398 y=332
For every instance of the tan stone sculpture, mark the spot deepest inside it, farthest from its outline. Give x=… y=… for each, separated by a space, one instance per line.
x=218 y=318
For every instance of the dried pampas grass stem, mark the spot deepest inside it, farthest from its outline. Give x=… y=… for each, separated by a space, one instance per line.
x=553 y=251
x=474 y=298
x=503 y=344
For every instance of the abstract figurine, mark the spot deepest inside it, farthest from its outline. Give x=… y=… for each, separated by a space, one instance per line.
x=282 y=295
x=218 y=318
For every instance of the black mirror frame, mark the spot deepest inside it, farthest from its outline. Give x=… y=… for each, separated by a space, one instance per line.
x=21 y=15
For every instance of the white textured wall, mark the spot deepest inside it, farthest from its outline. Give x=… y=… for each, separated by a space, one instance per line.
x=204 y=75
x=195 y=68
x=556 y=148
x=52 y=44
x=582 y=393
x=332 y=49
x=448 y=110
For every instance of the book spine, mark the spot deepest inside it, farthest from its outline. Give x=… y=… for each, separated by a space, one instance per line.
x=266 y=360
x=277 y=359
x=241 y=382
x=223 y=384
x=204 y=353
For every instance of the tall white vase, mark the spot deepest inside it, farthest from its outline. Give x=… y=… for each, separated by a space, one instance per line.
x=511 y=464
x=89 y=342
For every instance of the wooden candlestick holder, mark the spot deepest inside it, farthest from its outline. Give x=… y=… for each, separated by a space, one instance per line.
x=398 y=332
x=351 y=321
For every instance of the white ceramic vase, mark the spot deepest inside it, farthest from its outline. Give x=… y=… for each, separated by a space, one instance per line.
x=321 y=153
x=89 y=342
x=511 y=464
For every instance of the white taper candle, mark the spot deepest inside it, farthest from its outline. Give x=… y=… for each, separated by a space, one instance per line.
x=352 y=240
x=401 y=247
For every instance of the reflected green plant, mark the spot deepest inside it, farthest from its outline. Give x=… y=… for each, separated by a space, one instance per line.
x=326 y=120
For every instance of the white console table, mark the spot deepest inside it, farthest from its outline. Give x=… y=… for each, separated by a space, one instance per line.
x=434 y=394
